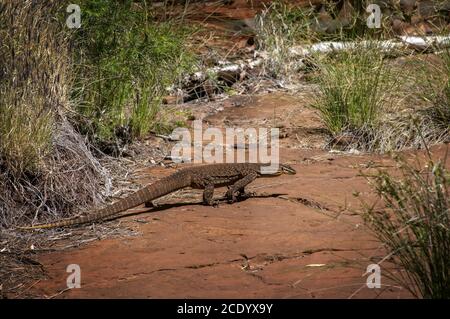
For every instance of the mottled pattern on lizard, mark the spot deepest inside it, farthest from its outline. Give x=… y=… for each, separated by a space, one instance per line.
x=207 y=177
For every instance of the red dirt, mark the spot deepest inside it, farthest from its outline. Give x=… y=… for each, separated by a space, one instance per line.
x=299 y=238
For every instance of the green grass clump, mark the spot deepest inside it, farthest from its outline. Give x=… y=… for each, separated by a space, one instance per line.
x=125 y=60
x=353 y=87
x=377 y=104
x=414 y=225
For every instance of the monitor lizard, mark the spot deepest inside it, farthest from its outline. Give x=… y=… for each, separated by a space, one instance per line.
x=206 y=177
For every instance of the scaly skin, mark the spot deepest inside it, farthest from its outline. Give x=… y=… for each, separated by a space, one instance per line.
x=206 y=177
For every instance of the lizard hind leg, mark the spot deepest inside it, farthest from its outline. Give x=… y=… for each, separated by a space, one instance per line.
x=242 y=193
x=238 y=188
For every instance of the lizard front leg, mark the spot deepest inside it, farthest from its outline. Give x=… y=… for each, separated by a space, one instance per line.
x=208 y=194
x=239 y=186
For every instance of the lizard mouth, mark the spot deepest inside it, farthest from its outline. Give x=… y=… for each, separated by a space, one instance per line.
x=274 y=174
x=288 y=170
x=278 y=173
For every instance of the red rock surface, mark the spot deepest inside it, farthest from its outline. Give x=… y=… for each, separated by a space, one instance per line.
x=299 y=238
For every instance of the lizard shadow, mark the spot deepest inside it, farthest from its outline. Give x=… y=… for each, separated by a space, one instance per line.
x=221 y=200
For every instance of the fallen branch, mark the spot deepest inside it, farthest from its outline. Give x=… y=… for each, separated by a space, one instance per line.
x=201 y=83
x=421 y=44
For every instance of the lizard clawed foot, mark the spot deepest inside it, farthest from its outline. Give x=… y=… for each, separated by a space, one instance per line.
x=150 y=205
x=213 y=203
x=231 y=195
x=235 y=196
x=232 y=200
x=247 y=194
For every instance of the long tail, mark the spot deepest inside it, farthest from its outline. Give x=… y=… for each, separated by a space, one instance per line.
x=150 y=192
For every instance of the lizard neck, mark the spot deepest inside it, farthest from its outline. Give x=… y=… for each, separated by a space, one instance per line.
x=267 y=170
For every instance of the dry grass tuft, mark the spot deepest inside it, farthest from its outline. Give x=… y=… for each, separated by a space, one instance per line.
x=414 y=225
x=47 y=170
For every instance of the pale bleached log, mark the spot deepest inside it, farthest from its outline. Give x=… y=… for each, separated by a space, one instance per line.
x=403 y=42
x=393 y=47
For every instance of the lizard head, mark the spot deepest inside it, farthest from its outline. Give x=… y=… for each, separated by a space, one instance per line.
x=286 y=169
x=281 y=169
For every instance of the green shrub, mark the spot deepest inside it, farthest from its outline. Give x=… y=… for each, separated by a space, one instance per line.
x=124 y=62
